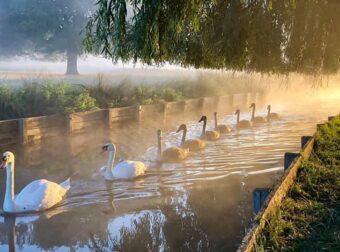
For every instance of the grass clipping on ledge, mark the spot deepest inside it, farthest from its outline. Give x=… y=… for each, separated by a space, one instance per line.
x=309 y=217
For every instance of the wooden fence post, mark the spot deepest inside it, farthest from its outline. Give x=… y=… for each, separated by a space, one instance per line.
x=184 y=105
x=259 y=197
x=217 y=103
x=319 y=125
x=304 y=140
x=109 y=118
x=22 y=131
x=201 y=105
x=69 y=125
x=139 y=113
x=248 y=99
x=330 y=118
x=289 y=157
x=165 y=107
x=231 y=101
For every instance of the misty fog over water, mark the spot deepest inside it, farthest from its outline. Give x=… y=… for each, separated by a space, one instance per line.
x=201 y=204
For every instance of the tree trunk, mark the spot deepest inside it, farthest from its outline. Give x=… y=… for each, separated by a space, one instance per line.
x=72 y=67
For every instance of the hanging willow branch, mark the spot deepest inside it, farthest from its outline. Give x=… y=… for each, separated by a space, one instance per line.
x=269 y=36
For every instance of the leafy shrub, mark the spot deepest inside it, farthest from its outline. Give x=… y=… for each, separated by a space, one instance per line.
x=45 y=98
x=35 y=99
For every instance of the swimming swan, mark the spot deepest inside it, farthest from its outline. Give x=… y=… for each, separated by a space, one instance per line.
x=256 y=119
x=172 y=154
x=222 y=128
x=191 y=144
x=210 y=135
x=272 y=116
x=125 y=169
x=36 y=196
x=243 y=123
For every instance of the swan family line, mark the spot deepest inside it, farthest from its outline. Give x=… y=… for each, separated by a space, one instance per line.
x=42 y=194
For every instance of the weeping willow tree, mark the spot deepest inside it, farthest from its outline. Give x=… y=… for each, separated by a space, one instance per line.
x=272 y=36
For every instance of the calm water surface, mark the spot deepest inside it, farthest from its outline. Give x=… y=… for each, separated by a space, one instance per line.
x=201 y=204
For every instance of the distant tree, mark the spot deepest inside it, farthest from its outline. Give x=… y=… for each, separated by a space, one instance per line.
x=44 y=27
x=278 y=36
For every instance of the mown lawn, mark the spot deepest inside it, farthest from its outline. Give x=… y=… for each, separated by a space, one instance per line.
x=309 y=218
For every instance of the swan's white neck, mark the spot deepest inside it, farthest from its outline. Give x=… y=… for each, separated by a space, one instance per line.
x=204 y=127
x=109 y=165
x=215 y=121
x=9 y=194
x=238 y=117
x=159 y=145
x=184 y=135
x=268 y=112
x=253 y=113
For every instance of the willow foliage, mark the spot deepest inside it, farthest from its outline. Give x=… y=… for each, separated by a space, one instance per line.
x=255 y=35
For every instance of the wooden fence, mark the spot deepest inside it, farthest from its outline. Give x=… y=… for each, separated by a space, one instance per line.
x=84 y=121
x=38 y=128
x=28 y=130
x=9 y=132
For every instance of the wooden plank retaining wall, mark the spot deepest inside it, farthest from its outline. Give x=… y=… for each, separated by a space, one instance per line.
x=117 y=115
x=83 y=121
x=9 y=132
x=38 y=128
x=28 y=130
x=276 y=196
x=292 y=162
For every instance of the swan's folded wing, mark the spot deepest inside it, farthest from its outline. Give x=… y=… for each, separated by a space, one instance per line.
x=223 y=128
x=194 y=144
x=39 y=195
x=129 y=169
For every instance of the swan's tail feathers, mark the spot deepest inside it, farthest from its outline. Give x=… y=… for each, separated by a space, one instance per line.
x=66 y=184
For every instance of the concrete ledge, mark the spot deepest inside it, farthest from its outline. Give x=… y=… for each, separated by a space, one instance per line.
x=275 y=198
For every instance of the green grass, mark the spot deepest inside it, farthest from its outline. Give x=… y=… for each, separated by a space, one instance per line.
x=47 y=97
x=309 y=217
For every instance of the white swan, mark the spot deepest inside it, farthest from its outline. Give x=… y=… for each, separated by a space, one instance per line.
x=36 y=196
x=221 y=128
x=256 y=119
x=272 y=116
x=191 y=144
x=210 y=135
x=242 y=124
x=125 y=169
x=170 y=155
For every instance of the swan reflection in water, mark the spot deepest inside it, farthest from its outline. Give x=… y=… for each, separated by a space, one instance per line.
x=171 y=200
x=9 y=222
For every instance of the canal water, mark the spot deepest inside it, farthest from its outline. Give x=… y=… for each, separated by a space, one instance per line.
x=201 y=204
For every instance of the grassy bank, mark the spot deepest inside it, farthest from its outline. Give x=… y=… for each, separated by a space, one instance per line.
x=309 y=218
x=45 y=98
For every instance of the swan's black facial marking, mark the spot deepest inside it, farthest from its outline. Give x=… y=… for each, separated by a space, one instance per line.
x=181 y=127
x=203 y=119
x=3 y=163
